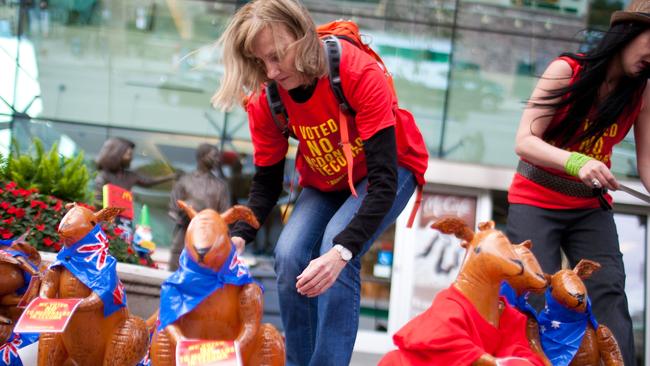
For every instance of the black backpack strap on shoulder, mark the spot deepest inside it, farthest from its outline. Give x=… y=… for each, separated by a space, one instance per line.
x=278 y=112
x=333 y=54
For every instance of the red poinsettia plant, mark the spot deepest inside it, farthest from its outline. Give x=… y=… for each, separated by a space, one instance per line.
x=24 y=210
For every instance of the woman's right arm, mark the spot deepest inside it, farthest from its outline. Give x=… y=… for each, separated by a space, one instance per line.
x=270 y=148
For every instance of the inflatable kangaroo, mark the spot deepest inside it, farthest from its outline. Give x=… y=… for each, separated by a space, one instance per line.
x=19 y=265
x=220 y=300
x=521 y=286
x=467 y=323
x=19 y=283
x=101 y=331
x=567 y=318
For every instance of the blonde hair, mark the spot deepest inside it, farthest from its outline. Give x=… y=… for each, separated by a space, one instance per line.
x=243 y=73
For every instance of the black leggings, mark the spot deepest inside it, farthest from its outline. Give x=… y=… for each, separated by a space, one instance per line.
x=581 y=234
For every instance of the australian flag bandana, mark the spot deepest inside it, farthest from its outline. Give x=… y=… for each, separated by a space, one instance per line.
x=26 y=275
x=519 y=302
x=9 y=351
x=191 y=284
x=90 y=261
x=561 y=330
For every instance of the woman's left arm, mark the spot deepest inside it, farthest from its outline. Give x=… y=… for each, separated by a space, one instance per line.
x=381 y=160
x=642 y=139
x=375 y=121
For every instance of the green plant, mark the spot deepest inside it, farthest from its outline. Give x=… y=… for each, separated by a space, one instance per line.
x=3 y=168
x=50 y=173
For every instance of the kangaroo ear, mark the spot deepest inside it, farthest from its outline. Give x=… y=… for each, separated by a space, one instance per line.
x=70 y=205
x=107 y=214
x=528 y=244
x=488 y=225
x=22 y=245
x=239 y=212
x=454 y=225
x=585 y=268
x=464 y=244
x=189 y=210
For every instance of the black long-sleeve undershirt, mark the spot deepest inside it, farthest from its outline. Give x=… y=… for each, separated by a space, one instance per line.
x=381 y=162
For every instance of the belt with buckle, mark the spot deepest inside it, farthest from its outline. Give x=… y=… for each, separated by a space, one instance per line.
x=560 y=184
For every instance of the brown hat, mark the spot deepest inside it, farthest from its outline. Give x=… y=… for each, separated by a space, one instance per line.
x=637 y=11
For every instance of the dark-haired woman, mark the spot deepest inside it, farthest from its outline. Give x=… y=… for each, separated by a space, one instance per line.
x=583 y=105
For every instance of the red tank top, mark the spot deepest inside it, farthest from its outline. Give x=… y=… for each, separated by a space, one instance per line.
x=524 y=191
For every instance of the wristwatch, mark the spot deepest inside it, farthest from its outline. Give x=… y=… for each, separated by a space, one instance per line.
x=345 y=253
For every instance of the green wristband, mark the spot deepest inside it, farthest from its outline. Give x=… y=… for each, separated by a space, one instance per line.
x=575 y=162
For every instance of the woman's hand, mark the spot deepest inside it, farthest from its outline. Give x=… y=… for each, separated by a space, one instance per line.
x=320 y=274
x=595 y=174
x=240 y=244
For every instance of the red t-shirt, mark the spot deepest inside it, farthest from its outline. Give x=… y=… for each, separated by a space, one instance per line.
x=452 y=332
x=315 y=123
x=525 y=191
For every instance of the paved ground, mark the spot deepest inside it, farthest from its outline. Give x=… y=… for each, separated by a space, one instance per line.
x=364 y=359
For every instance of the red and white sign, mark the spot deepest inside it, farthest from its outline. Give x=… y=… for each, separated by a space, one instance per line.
x=200 y=352
x=46 y=315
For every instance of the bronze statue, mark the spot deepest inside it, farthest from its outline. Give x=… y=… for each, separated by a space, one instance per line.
x=201 y=189
x=467 y=323
x=101 y=331
x=231 y=312
x=568 y=305
x=113 y=162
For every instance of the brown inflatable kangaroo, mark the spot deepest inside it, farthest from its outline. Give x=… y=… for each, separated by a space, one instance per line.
x=119 y=339
x=522 y=284
x=490 y=259
x=12 y=269
x=597 y=344
x=229 y=313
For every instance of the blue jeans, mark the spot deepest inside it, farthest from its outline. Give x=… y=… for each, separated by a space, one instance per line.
x=322 y=330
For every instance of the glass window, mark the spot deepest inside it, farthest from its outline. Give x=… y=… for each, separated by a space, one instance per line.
x=632 y=234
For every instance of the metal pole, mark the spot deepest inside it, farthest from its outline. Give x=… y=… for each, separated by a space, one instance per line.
x=445 y=108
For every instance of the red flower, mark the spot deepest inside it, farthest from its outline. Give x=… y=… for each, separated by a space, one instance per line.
x=1 y=191
x=129 y=250
x=10 y=185
x=9 y=220
x=57 y=245
x=5 y=205
x=58 y=206
x=48 y=242
x=20 y=213
x=37 y=203
x=143 y=261
x=40 y=227
x=7 y=235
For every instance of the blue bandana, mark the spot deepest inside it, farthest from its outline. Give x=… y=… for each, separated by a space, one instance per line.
x=191 y=284
x=519 y=302
x=6 y=242
x=26 y=275
x=9 y=351
x=90 y=261
x=561 y=330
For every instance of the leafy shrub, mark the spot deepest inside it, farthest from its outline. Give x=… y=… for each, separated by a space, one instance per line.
x=50 y=173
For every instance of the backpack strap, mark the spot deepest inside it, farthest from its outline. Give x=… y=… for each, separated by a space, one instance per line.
x=333 y=52
x=333 y=56
x=278 y=112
